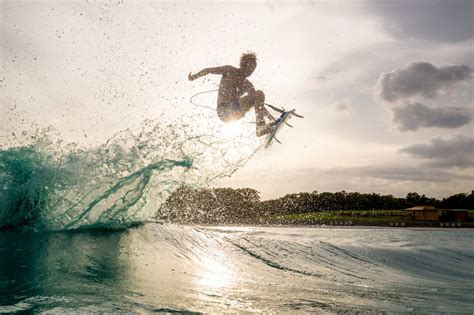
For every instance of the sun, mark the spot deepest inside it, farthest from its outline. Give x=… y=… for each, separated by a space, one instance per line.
x=232 y=129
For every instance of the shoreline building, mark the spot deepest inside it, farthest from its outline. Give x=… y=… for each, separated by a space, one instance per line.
x=455 y=215
x=423 y=213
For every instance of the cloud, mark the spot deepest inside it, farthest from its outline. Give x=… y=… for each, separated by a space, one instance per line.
x=415 y=116
x=455 y=152
x=342 y=107
x=420 y=79
x=440 y=21
x=395 y=172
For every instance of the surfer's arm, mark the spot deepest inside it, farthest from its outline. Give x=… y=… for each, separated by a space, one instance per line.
x=206 y=71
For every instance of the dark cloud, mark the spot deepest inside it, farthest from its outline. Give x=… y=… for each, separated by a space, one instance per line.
x=415 y=116
x=393 y=172
x=455 y=152
x=442 y=21
x=420 y=79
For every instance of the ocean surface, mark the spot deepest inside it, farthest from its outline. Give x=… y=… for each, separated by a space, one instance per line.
x=211 y=269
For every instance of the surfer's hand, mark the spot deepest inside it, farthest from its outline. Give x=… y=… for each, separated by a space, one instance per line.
x=191 y=76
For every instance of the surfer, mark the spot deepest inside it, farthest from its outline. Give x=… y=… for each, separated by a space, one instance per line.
x=237 y=94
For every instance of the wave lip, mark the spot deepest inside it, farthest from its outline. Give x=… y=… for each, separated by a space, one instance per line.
x=47 y=184
x=46 y=194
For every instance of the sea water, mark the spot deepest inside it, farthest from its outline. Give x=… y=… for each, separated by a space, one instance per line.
x=196 y=269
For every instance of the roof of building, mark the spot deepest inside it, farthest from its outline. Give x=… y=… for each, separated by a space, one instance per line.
x=421 y=208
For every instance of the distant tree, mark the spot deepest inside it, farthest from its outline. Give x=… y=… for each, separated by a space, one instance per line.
x=227 y=205
x=458 y=201
x=204 y=205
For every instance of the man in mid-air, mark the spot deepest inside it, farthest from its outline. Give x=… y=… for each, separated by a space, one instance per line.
x=237 y=95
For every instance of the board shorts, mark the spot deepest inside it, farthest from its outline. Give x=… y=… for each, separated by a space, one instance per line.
x=229 y=112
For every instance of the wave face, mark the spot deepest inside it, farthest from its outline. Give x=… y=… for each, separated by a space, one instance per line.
x=269 y=270
x=48 y=184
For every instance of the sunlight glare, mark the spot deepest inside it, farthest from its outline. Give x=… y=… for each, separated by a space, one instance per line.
x=232 y=129
x=216 y=274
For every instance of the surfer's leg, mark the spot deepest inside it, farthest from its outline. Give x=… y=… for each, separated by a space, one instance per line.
x=250 y=100
x=260 y=113
x=257 y=101
x=260 y=105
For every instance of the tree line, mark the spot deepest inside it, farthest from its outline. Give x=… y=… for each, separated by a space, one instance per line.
x=244 y=205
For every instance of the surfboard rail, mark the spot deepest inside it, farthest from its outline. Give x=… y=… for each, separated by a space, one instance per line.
x=282 y=120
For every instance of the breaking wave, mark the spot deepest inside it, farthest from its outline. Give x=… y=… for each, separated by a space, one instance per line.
x=48 y=184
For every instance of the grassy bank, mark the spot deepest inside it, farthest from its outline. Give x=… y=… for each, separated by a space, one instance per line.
x=363 y=218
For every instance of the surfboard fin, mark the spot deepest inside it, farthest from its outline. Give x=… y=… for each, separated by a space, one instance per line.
x=280 y=110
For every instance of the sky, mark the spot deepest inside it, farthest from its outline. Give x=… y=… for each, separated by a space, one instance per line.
x=386 y=87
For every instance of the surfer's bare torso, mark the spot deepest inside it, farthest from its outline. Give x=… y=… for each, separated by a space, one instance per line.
x=237 y=95
x=233 y=86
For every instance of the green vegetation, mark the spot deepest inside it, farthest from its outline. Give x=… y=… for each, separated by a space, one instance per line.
x=243 y=206
x=342 y=217
x=471 y=215
x=346 y=214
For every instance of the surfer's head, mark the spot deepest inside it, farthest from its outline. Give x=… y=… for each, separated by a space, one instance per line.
x=248 y=63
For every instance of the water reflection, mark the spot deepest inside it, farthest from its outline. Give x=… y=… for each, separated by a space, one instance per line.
x=39 y=269
x=182 y=271
x=216 y=272
x=165 y=268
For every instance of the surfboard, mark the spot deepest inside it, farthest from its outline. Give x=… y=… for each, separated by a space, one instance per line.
x=280 y=122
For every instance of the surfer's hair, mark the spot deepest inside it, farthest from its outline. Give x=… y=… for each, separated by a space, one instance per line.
x=248 y=57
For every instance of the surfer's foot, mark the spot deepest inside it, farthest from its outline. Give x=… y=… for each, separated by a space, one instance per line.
x=266 y=129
